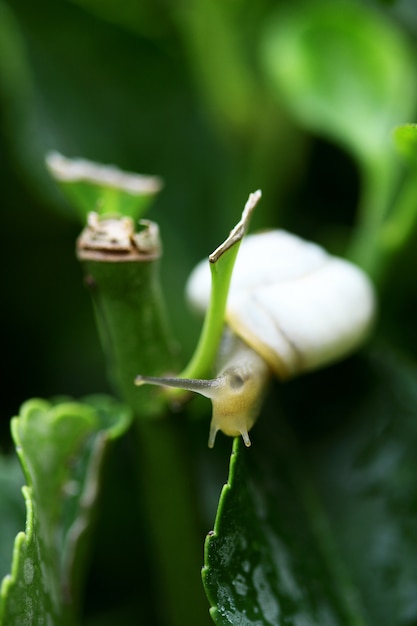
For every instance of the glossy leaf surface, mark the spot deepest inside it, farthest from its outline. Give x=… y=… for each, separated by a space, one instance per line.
x=321 y=529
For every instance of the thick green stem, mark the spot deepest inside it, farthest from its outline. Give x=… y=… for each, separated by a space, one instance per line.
x=130 y=316
x=128 y=305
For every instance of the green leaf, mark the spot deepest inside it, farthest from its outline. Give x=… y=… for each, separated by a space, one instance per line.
x=317 y=522
x=104 y=189
x=343 y=71
x=347 y=73
x=61 y=447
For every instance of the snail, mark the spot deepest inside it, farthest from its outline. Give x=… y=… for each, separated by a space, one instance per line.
x=292 y=308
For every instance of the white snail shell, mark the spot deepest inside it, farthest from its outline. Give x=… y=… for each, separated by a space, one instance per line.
x=292 y=307
x=293 y=303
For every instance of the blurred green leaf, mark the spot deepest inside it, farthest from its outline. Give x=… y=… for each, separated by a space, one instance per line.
x=344 y=71
x=61 y=447
x=347 y=73
x=321 y=529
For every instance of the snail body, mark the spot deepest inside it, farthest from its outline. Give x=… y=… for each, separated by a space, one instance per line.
x=292 y=308
x=238 y=389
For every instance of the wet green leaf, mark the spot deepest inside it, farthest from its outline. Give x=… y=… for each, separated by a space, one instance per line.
x=61 y=448
x=317 y=522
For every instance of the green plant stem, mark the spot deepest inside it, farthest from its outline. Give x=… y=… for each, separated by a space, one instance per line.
x=222 y=262
x=131 y=321
x=204 y=356
x=387 y=222
x=132 y=327
x=175 y=533
x=400 y=226
x=378 y=180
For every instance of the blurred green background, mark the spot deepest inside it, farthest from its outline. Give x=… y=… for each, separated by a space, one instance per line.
x=168 y=88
